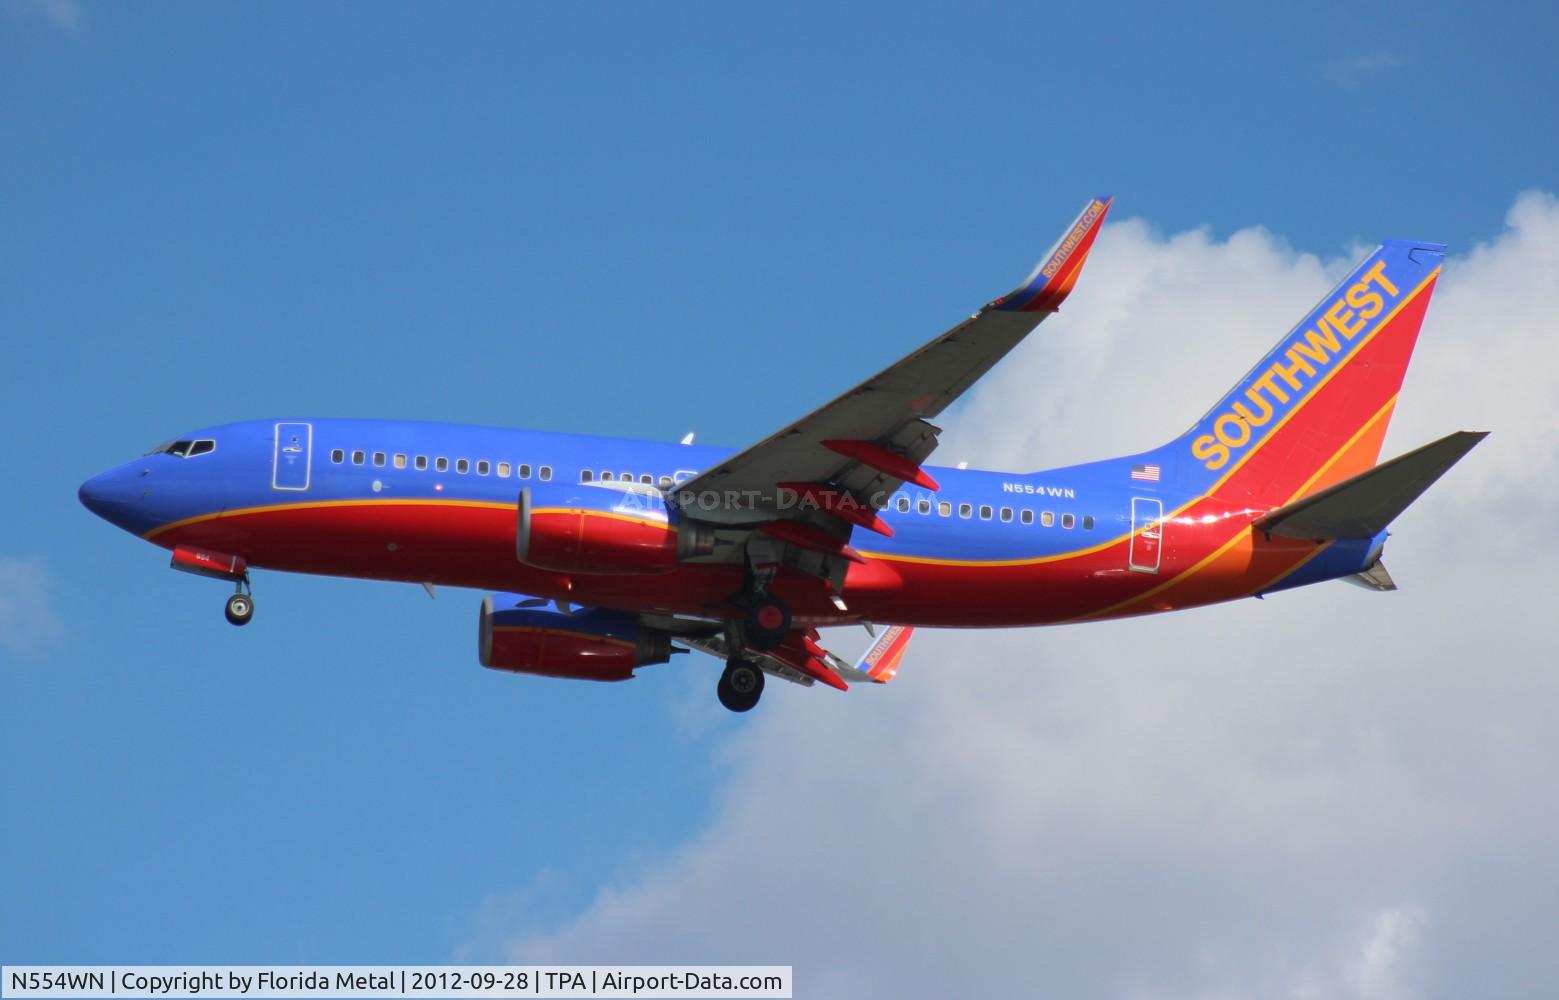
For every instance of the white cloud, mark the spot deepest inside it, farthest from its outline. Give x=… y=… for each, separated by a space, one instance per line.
x=1375 y=963
x=63 y=14
x=1228 y=802
x=25 y=616
x=1376 y=973
x=1353 y=71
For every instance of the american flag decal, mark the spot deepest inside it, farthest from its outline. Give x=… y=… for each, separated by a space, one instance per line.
x=1147 y=473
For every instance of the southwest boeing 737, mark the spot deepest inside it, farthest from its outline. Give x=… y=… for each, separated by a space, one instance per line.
x=609 y=554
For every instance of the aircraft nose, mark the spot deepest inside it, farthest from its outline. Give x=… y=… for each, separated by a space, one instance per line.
x=111 y=495
x=94 y=493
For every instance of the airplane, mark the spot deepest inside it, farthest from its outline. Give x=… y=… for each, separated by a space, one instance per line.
x=606 y=555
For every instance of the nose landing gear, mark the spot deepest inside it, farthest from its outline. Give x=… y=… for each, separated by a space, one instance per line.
x=220 y=566
x=240 y=606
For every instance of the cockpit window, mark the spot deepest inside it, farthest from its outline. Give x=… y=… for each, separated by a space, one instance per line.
x=185 y=449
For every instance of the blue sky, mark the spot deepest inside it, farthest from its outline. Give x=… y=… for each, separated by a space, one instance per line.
x=636 y=221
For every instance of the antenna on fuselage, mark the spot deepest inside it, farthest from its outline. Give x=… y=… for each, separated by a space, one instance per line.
x=687 y=438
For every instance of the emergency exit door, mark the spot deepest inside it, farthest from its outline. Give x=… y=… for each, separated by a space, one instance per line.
x=294 y=452
x=1147 y=526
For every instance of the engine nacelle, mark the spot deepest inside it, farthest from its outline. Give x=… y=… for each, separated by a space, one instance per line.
x=593 y=644
x=589 y=529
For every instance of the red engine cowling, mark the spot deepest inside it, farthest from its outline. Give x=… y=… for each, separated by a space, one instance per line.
x=593 y=529
x=591 y=644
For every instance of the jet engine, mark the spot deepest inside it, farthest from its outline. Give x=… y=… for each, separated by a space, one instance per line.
x=584 y=528
x=526 y=636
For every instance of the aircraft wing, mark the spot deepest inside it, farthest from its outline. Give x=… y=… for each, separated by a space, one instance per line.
x=849 y=456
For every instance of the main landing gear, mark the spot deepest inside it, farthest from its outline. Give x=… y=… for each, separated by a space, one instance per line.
x=767 y=622
x=764 y=624
x=741 y=685
x=240 y=606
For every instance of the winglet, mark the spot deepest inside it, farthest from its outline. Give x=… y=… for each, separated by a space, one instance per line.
x=1053 y=278
x=881 y=661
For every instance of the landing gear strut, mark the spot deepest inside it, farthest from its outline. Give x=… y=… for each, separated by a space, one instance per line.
x=240 y=606
x=740 y=686
x=766 y=620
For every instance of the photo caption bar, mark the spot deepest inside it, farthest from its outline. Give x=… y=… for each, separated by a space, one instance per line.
x=395 y=981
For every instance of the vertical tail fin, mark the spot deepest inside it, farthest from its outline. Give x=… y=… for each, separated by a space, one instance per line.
x=881 y=662
x=1314 y=410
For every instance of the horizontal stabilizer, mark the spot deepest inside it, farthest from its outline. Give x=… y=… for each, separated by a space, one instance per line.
x=1374 y=578
x=1362 y=506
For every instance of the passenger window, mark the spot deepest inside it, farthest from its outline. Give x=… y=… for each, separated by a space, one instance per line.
x=400 y=460
x=1006 y=515
x=626 y=477
x=1047 y=519
x=358 y=457
x=546 y=473
x=422 y=463
x=985 y=512
x=606 y=477
x=1027 y=517
x=338 y=456
x=482 y=468
x=1087 y=522
x=964 y=510
x=1068 y=521
x=647 y=479
x=903 y=505
x=462 y=465
x=524 y=472
x=585 y=475
x=441 y=464
x=944 y=509
x=503 y=470
x=923 y=506
x=665 y=482
x=379 y=459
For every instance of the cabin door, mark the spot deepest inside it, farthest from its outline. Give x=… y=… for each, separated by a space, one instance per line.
x=1147 y=525
x=294 y=452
